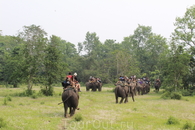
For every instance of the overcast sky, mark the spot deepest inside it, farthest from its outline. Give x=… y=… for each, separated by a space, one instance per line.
x=109 y=19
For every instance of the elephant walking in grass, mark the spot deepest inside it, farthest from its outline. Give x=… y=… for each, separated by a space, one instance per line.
x=123 y=91
x=147 y=88
x=133 y=85
x=93 y=86
x=70 y=99
x=157 y=86
x=140 y=88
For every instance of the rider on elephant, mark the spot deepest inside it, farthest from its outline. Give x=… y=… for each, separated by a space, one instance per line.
x=91 y=79
x=99 y=80
x=77 y=84
x=67 y=80
x=158 y=81
x=121 y=80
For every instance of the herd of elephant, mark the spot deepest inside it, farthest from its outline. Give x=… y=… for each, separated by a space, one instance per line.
x=123 y=89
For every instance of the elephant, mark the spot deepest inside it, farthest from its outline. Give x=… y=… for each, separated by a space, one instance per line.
x=140 y=88
x=123 y=91
x=70 y=99
x=93 y=86
x=147 y=87
x=133 y=85
x=157 y=86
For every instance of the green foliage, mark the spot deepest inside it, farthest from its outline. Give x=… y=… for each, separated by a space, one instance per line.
x=175 y=95
x=78 y=117
x=187 y=126
x=171 y=95
x=34 y=96
x=32 y=58
x=172 y=121
x=5 y=101
x=2 y=123
x=47 y=91
x=9 y=98
x=26 y=93
x=187 y=93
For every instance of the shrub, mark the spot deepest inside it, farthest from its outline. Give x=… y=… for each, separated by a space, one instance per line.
x=26 y=93
x=2 y=123
x=5 y=101
x=34 y=96
x=166 y=95
x=9 y=98
x=171 y=95
x=175 y=95
x=47 y=91
x=187 y=126
x=172 y=120
x=78 y=117
x=187 y=93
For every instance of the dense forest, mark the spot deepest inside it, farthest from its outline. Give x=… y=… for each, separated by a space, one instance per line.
x=31 y=57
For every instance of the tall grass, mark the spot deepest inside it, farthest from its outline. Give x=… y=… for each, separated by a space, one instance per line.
x=98 y=110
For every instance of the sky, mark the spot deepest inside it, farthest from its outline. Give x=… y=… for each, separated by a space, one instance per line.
x=109 y=19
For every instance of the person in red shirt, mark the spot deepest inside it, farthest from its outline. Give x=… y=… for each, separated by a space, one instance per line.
x=69 y=76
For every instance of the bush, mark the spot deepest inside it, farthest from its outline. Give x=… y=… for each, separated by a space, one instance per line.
x=78 y=117
x=9 y=98
x=47 y=91
x=26 y=93
x=166 y=95
x=5 y=101
x=187 y=93
x=2 y=123
x=175 y=95
x=172 y=120
x=187 y=126
x=34 y=96
x=171 y=95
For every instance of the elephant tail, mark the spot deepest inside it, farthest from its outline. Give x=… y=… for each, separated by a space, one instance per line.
x=64 y=100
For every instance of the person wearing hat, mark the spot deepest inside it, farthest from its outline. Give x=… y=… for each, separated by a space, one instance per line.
x=77 y=84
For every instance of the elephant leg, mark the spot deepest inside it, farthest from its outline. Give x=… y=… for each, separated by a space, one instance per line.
x=72 y=111
x=122 y=98
x=116 y=98
x=142 y=91
x=126 y=99
x=134 y=91
x=65 y=110
x=132 y=94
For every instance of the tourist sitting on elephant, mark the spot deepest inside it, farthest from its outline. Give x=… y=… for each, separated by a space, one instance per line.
x=140 y=81
x=121 y=78
x=67 y=80
x=91 y=79
x=99 y=80
x=158 y=81
x=77 y=84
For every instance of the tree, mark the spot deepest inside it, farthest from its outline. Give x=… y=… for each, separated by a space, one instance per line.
x=13 y=69
x=34 y=43
x=53 y=68
x=176 y=67
x=184 y=35
x=146 y=47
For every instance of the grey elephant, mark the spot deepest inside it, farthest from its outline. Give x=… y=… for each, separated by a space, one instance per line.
x=140 y=88
x=157 y=86
x=70 y=99
x=93 y=86
x=123 y=91
x=147 y=87
x=133 y=85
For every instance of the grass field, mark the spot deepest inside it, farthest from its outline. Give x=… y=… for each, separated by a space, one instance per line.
x=98 y=111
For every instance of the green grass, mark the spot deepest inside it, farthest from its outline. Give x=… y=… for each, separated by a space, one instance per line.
x=98 y=110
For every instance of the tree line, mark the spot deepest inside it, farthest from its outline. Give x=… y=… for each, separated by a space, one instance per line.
x=31 y=57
